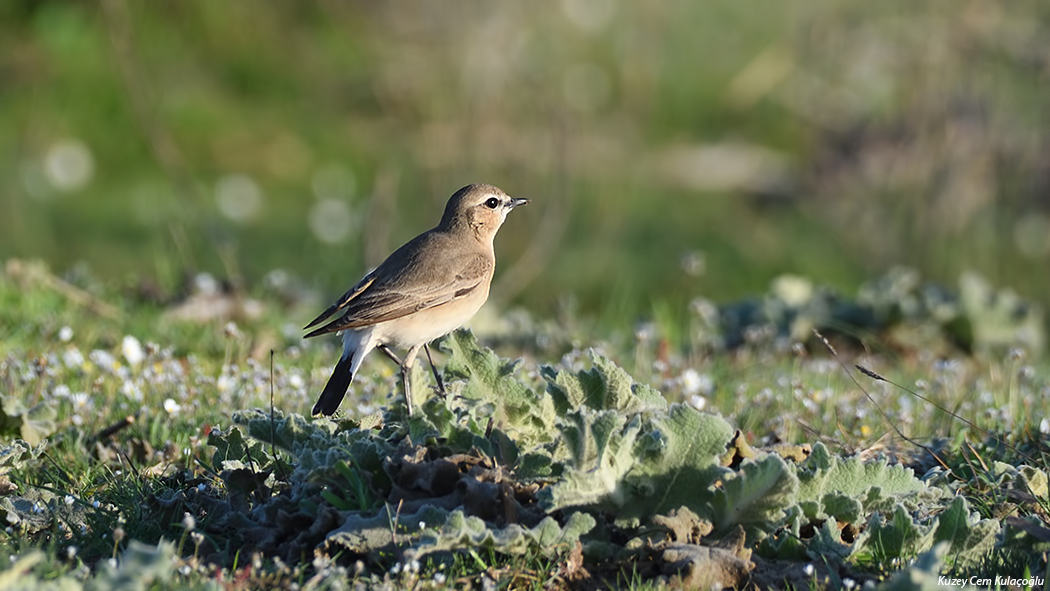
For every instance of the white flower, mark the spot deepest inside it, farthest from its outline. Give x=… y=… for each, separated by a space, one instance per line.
x=131 y=390
x=1044 y=426
x=132 y=349
x=171 y=407
x=694 y=383
x=73 y=358
x=80 y=399
x=104 y=360
x=296 y=381
x=698 y=402
x=65 y=334
x=224 y=383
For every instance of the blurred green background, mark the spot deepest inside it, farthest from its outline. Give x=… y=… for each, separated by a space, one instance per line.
x=671 y=149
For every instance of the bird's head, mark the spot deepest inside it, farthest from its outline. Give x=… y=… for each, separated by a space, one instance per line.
x=479 y=207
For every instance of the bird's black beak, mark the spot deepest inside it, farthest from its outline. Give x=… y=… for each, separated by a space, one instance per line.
x=516 y=201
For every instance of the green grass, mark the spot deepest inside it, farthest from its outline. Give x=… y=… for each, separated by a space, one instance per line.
x=169 y=100
x=906 y=136
x=133 y=485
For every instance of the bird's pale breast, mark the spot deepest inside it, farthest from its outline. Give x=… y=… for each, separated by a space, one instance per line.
x=423 y=327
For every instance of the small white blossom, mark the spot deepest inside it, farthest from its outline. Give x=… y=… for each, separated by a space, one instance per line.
x=73 y=358
x=132 y=350
x=104 y=360
x=694 y=383
x=131 y=390
x=809 y=569
x=171 y=407
x=224 y=383
x=65 y=334
x=296 y=381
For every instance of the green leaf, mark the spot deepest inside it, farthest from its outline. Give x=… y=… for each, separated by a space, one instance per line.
x=756 y=496
x=843 y=508
x=32 y=424
x=924 y=574
x=970 y=538
x=482 y=386
x=17 y=454
x=139 y=568
x=460 y=531
x=641 y=468
x=900 y=537
x=374 y=535
x=232 y=446
x=602 y=452
x=603 y=387
x=822 y=474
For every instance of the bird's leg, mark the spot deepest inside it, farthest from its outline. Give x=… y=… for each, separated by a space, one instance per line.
x=440 y=382
x=408 y=392
x=393 y=356
x=405 y=371
x=406 y=376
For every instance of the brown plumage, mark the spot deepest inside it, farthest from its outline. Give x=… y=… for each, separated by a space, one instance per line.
x=430 y=286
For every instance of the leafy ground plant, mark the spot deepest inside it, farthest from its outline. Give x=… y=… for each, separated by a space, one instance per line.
x=571 y=475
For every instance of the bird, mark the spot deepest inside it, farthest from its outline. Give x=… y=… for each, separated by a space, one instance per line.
x=427 y=288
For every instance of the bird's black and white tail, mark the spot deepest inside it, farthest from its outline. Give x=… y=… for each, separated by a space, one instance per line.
x=335 y=389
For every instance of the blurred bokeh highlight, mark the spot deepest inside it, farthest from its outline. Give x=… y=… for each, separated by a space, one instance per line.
x=671 y=150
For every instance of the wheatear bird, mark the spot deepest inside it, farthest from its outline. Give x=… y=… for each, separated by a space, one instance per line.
x=425 y=289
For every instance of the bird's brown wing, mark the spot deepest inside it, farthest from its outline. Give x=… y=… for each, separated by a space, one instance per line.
x=343 y=300
x=401 y=290
x=384 y=273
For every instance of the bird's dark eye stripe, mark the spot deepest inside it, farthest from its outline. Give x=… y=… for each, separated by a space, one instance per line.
x=492 y=203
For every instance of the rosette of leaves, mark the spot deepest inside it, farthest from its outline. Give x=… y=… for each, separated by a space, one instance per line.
x=32 y=424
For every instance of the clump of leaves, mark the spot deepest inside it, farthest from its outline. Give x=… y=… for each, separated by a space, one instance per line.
x=592 y=457
x=905 y=310
x=32 y=424
x=582 y=462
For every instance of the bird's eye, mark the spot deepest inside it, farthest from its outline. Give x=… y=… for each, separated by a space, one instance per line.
x=492 y=203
